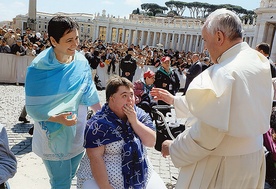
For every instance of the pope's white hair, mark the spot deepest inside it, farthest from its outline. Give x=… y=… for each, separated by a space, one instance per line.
x=225 y=21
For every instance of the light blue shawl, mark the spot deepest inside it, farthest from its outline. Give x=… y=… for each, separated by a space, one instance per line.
x=52 y=88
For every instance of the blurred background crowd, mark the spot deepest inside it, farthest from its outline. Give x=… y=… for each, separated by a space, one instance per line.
x=31 y=43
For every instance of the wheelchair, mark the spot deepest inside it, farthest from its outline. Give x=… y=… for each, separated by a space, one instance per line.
x=167 y=125
x=5 y=185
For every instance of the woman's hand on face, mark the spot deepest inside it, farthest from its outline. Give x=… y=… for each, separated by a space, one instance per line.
x=67 y=119
x=130 y=113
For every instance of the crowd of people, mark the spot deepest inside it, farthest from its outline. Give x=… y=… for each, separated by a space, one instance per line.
x=35 y=41
x=16 y=42
x=227 y=106
x=31 y=43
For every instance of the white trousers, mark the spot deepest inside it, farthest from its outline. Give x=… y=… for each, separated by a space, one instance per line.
x=154 y=182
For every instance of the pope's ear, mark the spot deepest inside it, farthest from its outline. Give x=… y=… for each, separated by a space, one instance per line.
x=220 y=37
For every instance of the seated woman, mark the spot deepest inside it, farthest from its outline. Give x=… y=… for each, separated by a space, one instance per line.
x=115 y=140
x=142 y=87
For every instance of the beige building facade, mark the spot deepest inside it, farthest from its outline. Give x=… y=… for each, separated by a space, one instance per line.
x=178 y=34
x=168 y=32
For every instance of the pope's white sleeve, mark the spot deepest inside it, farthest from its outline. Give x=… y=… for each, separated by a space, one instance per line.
x=194 y=144
x=181 y=107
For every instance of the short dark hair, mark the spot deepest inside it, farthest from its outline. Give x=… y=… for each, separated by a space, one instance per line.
x=114 y=83
x=264 y=47
x=96 y=52
x=4 y=40
x=83 y=47
x=60 y=25
x=129 y=49
x=206 y=59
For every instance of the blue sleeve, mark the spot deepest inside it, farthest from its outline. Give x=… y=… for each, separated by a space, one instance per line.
x=8 y=163
x=144 y=118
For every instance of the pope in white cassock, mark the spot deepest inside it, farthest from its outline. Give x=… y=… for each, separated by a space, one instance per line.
x=228 y=107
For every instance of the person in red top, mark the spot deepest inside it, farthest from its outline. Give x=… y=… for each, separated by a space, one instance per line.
x=142 y=87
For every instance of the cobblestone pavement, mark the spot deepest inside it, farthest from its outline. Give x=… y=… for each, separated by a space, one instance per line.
x=12 y=100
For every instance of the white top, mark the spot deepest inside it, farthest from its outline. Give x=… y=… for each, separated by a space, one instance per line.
x=113 y=161
x=241 y=81
x=228 y=108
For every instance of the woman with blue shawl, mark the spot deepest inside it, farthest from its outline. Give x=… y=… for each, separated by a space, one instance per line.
x=59 y=90
x=115 y=140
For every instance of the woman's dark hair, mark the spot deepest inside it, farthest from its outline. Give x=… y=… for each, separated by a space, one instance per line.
x=60 y=25
x=113 y=85
x=96 y=52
